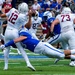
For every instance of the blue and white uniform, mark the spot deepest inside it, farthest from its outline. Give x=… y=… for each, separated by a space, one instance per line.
x=30 y=43
x=36 y=46
x=57 y=31
x=55 y=39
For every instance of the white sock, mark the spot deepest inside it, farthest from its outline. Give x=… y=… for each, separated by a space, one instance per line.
x=73 y=51
x=6 y=56
x=72 y=57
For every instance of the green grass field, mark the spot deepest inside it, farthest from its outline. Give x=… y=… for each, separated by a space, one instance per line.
x=44 y=66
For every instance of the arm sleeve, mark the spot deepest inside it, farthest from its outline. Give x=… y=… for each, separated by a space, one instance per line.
x=10 y=43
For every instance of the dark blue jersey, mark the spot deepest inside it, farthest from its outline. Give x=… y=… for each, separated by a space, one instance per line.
x=53 y=5
x=57 y=28
x=45 y=6
x=29 y=42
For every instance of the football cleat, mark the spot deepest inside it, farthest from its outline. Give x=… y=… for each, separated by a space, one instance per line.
x=56 y=60
x=31 y=67
x=72 y=63
x=5 y=68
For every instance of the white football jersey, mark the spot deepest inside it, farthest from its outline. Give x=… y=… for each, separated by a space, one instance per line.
x=66 y=21
x=16 y=19
x=35 y=24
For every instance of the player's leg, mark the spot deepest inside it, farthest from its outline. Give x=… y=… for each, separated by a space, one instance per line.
x=67 y=54
x=55 y=39
x=48 y=50
x=72 y=46
x=6 y=56
x=13 y=35
x=7 y=49
x=53 y=52
x=8 y=36
x=72 y=63
x=18 y=51
x=25 y=56
x=20 y=48
x=64 y=45
x=72 y=57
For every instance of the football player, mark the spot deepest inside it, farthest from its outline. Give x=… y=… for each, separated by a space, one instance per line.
x=36 y=21
x=36 y=46
x=66 y=20
x=16 y=18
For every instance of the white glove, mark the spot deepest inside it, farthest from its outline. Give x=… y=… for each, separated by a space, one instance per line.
x=2 y=46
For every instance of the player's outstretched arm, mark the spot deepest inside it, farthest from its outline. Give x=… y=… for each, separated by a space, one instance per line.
x=19 y=39
x=12 y=42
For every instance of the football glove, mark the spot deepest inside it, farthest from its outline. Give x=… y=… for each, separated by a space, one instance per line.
x=52 y=34
x=2 y=46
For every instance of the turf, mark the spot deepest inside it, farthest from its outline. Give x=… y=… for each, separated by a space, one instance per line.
x=43 y=67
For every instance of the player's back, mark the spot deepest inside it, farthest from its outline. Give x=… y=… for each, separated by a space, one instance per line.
x=30 y=43
x=66 y=21
x=15 y=19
